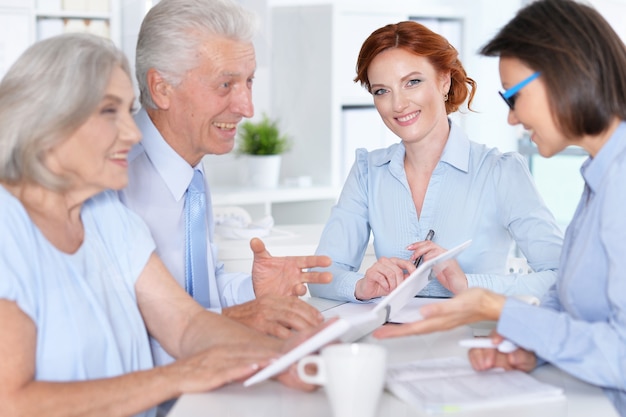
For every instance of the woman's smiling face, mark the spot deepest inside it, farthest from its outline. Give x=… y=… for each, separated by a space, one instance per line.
x=408 y=93
x=94 y=157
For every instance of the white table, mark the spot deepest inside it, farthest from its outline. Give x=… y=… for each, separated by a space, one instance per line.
x=271 y=399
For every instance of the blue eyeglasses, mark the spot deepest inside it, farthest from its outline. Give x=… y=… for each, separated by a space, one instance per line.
x=510 y=95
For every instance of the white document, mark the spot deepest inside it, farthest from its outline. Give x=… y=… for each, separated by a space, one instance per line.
x=348 y=309
x=355 y=326
x=411 y=311
x=450 y=385
x=323 y=304
x=407 y=314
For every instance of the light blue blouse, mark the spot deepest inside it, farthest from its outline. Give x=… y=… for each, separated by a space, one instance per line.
x=582 y=327
x=84 y=304
x=474 y=193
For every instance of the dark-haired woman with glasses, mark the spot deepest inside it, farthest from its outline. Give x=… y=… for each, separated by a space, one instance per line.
x=436 y=179
x=574 y=68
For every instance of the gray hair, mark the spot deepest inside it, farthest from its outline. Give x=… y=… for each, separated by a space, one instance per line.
x=173 y=30
x=47 y=94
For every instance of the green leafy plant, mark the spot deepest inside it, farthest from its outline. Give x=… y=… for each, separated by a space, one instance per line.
x=262 y=138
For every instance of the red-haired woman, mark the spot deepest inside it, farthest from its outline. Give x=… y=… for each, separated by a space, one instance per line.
x=436 y=179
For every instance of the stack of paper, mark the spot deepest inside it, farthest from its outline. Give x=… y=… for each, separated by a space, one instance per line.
x=450 y=385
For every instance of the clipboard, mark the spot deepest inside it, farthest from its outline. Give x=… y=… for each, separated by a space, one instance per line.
x=352 y=328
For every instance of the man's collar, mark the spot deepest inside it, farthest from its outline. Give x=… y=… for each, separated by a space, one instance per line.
x=173 y=169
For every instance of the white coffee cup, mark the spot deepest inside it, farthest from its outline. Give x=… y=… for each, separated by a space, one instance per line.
x=353 y=376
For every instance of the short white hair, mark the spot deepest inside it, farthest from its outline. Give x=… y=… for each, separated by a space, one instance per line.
x=173 y=30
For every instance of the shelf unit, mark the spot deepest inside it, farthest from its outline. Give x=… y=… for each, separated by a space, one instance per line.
x=23 y=22
x=101 y=17
x=16 y=31
x=267 y=198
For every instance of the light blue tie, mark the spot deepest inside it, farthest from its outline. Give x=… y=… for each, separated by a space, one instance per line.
x=196 y=271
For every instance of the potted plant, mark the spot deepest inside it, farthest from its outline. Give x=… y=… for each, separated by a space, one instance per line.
x=263 y=143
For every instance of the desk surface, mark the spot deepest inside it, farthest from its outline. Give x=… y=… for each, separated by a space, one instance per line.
x=270 y=398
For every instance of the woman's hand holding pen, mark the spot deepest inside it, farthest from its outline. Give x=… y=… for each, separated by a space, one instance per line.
x=429 y=237
x=387 y=273
x=383 y=277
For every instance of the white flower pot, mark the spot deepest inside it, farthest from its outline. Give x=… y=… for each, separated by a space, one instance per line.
x=262 y=171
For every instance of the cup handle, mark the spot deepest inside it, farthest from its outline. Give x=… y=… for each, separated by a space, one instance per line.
x=318 y=378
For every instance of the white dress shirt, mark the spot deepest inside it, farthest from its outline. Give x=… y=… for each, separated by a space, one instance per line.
x=158 y=179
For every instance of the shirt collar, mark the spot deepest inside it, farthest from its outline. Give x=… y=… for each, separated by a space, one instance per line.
x=456 y=152
x=595 y=169
x=174 y=170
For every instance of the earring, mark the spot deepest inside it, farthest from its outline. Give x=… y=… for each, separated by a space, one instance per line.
x=445 y=97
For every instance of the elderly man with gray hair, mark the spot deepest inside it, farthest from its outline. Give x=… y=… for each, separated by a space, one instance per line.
x=195 y=65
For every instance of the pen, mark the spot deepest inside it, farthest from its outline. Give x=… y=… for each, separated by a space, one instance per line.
x=429 y=236
x=506 y=346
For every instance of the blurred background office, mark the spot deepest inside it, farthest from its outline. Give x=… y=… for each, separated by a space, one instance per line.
x=306 y=53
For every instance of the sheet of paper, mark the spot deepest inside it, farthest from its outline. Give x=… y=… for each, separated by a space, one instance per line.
x=348 y=309
x=410 y=311
x=450 y=384
x=322 y=304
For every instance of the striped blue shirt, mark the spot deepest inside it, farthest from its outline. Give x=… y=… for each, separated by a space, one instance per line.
x=475 y=192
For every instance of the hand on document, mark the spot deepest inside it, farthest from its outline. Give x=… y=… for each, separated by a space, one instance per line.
x=443 y=385
x=496 y=352
x=384 y=276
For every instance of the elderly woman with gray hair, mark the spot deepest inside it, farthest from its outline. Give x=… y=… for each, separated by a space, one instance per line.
x=81 y=287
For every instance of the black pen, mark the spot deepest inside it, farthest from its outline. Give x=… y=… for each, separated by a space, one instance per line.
x=429 y=236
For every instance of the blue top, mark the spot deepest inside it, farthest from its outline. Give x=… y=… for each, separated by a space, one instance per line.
x=83 y=305
x=474 y=193
x=582 y=327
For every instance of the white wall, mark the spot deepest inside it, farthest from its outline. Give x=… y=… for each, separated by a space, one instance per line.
x=132 y=13
x=488 y=124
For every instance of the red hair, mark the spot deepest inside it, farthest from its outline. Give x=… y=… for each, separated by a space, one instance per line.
x=418 y=39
